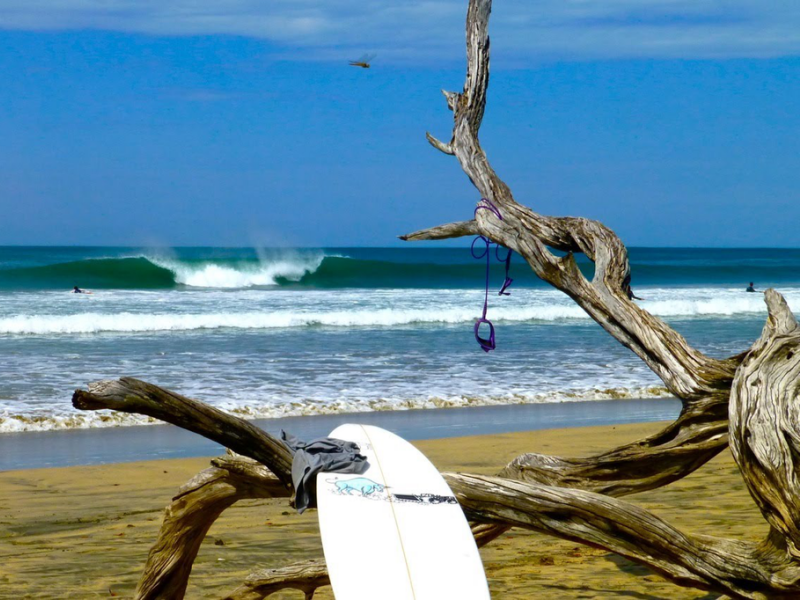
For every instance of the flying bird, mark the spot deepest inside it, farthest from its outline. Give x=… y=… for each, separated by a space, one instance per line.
x=362 y=62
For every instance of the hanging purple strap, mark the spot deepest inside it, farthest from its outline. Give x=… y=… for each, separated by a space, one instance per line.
x=508 y=280
x=488 y=344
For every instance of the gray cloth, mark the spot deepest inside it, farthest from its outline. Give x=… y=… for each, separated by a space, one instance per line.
x=323 y=454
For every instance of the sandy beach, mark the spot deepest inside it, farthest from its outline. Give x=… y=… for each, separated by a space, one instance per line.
x=84 y=532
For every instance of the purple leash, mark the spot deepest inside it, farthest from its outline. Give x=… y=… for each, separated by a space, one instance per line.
x=488 y=344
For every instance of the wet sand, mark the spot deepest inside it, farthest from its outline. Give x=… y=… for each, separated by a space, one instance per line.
x=71 y=447
x=84 y=531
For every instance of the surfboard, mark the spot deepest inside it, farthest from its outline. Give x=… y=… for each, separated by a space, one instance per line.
x=395 y=532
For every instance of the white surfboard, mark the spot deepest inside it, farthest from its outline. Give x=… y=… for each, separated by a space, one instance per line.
x=395 y=532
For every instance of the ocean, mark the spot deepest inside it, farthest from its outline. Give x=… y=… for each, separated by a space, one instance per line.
x=267 y=333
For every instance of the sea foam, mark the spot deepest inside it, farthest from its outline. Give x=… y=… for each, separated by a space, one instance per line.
x=380 y=309
x=50 y=421
x=290 y=266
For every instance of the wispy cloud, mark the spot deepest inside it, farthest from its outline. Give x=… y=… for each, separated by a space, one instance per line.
x=402 y=30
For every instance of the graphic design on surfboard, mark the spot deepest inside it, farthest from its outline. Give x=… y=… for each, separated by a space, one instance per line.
x=396 y=531
x=372 y=490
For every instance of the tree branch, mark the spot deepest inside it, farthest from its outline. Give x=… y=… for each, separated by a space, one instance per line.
x=135 y=396
x=192 y=513
x=701 y=382
x=695 y=437
x=439 y=145
x=304 y=576
x=703 y=562
x=443 y=232
x=687 y=372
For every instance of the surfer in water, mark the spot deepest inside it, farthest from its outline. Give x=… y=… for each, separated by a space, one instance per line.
x=751 y=287
x=77 y=290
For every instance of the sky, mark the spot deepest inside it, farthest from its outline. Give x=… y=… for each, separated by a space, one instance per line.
x=240 y=123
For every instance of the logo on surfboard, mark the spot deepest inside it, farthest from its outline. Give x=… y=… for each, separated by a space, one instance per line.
x=425 y=498
x=363 y=487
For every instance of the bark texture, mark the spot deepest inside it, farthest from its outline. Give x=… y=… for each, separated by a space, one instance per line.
x=305 y=576
x=764 y=429
x=192 y=513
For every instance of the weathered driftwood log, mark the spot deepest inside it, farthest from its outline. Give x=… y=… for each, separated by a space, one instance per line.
x=190 y=515
x=724 y=566
x=765 y=437
x=197 y=506
x=131 y=395
x=765 y=440
x=304 y=576
x=701 y=382
x=139 y=397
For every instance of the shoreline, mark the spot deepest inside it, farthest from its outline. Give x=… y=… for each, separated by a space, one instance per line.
x=85 y=531
x=81 y=447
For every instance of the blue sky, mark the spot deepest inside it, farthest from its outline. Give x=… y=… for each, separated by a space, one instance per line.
x=170 y=122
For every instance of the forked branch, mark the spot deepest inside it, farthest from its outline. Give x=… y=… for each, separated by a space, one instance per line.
x=192 y=513
x=135 y=396
x=703 y=562
x=701 y=382
x=305 y=576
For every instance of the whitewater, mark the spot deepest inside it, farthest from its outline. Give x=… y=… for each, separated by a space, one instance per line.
x=132 y=313
x=271 y=333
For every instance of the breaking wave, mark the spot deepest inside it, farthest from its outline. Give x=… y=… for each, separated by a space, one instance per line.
x=359 y=268
x=150 y=273
x=243 y=274
x=363 y=268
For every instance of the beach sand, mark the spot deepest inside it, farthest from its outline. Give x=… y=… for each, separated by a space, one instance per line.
x=84 y=532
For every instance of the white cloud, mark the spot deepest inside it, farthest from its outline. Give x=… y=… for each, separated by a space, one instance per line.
x=401 y=30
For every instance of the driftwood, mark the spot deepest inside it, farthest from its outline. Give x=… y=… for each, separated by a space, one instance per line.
x=305 y=576
x=135 y=396
x=750 y=399
x=190 y=515
x=702 y=383
x=197 y=506
x=765 y=440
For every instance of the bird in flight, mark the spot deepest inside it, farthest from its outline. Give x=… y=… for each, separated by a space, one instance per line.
x=362 y=62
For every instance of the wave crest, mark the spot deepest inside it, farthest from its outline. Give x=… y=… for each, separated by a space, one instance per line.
x=266 y=272
x=146 y=272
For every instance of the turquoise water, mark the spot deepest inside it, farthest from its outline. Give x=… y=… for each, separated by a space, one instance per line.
x=23 y=268
x=264 y=332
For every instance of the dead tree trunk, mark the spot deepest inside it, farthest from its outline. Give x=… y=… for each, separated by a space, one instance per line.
x=702 y=383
